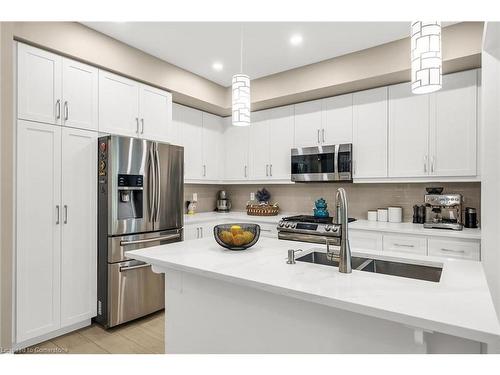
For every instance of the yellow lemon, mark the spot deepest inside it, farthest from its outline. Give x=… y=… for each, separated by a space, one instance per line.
x=226 y=237
x=239 y=240
x=236 y=229
x=248 y=236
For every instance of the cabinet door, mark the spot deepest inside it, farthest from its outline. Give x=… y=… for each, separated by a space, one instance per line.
x=308 y=123
x=281 y=125
x=80 y=95
x=174 y=131
x=365 y=240
x=454 y=126
x=405 y=244
x=236 y=151
x=191 y=124
x=155 y=113
x=337 y=120
x=191 y=232
x=408 y=132
x=38 y=85
x=259 y=146
x=453 y=248
x=118 y=105
x=370 y=133
x=79 y=226
x=213 y=143
x=38 y=233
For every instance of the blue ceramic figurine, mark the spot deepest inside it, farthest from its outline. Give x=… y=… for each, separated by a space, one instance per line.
x=321 y=208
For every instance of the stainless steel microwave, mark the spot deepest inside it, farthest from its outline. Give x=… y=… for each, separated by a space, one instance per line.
x=322 y=163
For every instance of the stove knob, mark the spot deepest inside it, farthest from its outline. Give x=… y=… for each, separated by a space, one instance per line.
x=281 y=223
x=328 y=228
x=293 y=225
x=287 y=225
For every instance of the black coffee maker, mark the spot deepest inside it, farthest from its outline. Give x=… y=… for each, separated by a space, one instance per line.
x=470 y=217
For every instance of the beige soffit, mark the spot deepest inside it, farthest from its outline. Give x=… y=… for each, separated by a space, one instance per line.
x=373 y=67
x=80 y=42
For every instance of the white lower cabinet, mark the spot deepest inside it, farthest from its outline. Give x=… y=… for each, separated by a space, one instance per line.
x=55 y=229
x=452 y=248
x=365 y=240
x=197 y=231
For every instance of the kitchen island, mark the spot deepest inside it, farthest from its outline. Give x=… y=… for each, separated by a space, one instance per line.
x=252 y=301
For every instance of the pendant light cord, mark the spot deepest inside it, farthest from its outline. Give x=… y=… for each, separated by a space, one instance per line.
x=241 y=49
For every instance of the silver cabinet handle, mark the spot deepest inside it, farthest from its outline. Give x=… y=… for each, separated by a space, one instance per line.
x=271 y=170
x=318 y=137
x=148 y=240
x=57 y=214
x=65 y=214
x=137 y=125
x=66 y=111
x=245 y=171
x=123 y=269
x=58 y=109
x=452 y=250
x=204 y=170
x=425 y=163
x=142 y=123
x=198 y=232
x=432 y=164
x=403 y=245
x=201 y=231
x=267 y=170
x=323 y=135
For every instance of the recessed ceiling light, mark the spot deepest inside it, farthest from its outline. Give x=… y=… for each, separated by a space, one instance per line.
x=296 y=39
x=217 y=66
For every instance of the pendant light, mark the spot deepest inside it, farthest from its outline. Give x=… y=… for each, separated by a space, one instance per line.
x=426 y=58
x=241 y=93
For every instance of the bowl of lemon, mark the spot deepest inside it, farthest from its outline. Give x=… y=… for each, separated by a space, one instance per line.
x=237 y=236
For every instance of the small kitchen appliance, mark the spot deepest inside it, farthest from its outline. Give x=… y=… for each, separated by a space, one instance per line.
x=470 y=219
x=443 y=211
x=223 y=202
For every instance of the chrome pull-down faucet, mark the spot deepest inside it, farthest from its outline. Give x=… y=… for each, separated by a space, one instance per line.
x=343 y=220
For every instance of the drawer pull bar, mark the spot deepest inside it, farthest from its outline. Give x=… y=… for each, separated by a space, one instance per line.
x=403 y=245
x=452 y=251
x=130 y=268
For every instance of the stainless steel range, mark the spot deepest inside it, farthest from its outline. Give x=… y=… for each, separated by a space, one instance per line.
x=140 y=205
x=309 y=229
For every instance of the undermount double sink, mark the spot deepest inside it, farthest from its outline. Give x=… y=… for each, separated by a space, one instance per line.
x=412 y=271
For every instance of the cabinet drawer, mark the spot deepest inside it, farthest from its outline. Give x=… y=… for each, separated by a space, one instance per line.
x=406 y=244
x=452 y=248
x=364 y=240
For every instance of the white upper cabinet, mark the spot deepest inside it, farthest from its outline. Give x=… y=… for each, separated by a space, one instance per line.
x=408 y=132
x=79 y=95
x=337 y=120
x=38 y=246
x=259 y=146
x=118 y=105
x=155 y=113
x=281 y=129
x=190 y=122
x=370 y=133
x=212 y=147
x=79 y=223
x=308 y=123
x=454 y=126
x=236 y=151
x=38 y=85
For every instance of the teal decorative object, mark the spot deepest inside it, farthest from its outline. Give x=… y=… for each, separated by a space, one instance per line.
x=321 y=208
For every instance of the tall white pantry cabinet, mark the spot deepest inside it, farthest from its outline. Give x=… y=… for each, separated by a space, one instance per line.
x=56 y=182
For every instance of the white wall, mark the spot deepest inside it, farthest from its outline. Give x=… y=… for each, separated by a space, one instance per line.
x=490 y=168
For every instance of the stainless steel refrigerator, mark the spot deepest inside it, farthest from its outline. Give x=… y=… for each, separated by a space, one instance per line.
x=140 y=196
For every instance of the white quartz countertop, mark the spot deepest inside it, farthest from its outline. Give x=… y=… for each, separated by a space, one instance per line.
x=376 y=226
x=460 y=304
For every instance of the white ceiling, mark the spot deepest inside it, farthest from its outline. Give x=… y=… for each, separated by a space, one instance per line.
x=195 y=46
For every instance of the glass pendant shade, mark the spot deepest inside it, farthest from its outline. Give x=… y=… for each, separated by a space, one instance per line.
x=426 y=61
x=241 y=100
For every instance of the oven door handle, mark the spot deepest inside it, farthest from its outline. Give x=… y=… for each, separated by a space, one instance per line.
x=130 y=268
x=148 y=240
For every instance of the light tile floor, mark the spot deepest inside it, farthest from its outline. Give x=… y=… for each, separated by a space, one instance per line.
x=142 y=336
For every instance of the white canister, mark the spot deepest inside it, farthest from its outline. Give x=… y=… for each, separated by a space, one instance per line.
x=372 y=215
x=395 y=214
x=382 y=214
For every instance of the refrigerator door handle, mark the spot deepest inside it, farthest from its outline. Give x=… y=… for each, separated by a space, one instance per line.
x=151 y=185
x=155 y=239
x=158 y=178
